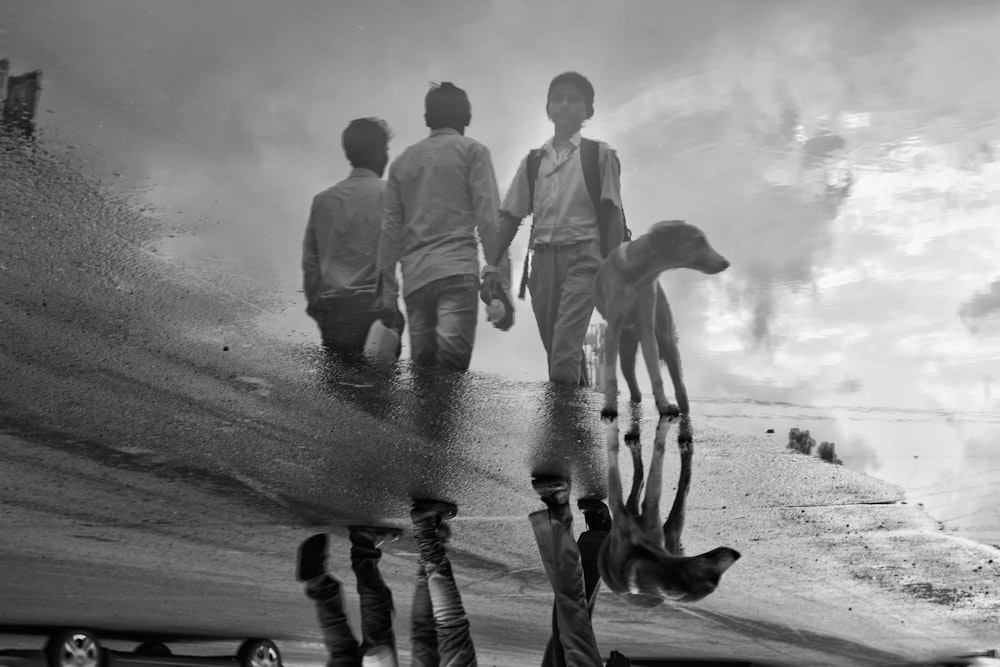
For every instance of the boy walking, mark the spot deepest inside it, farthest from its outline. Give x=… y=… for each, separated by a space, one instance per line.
x=341 y=240
x=572 y=187
x=441 y=191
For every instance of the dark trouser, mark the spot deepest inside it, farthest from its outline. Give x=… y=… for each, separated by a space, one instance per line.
x=344 y=322
x=562 y=298
x=572 y=571
x=377 y=610
x=439 y=633
x=442 y=318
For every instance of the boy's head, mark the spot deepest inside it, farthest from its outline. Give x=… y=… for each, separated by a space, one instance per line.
x=447 y=105
x=366 y=144
x=570 y=101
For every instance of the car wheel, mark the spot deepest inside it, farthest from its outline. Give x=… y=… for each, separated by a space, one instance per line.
x=74 y=648
x=259 y=653
x=152 y=649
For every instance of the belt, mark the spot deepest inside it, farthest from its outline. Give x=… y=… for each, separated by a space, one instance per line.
x=547 y=247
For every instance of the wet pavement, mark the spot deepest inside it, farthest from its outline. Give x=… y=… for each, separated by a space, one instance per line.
x=163 y=457
x=153 y=345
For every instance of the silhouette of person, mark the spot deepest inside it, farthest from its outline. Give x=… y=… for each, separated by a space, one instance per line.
x=440 y=632
x=572 y=570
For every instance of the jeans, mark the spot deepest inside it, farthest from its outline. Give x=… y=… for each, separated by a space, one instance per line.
x=439 y=633
x=572 y=571
x=377 y=610
x=442 y=317
x=344 y=322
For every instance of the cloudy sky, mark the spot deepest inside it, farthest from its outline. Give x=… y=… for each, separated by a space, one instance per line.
x=224 y=118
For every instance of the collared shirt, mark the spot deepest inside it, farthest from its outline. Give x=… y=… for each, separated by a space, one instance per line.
x=440 y=192
x=563 y=211
x=341 y=240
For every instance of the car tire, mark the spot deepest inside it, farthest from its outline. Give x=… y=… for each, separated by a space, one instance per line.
x=258 y=653
x=74 y=648
x=156 y=649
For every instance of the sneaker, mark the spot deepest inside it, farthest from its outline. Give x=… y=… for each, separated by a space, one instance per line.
x=596 y=513
x=373 y=535
x=435 y=511
x=552 y=489
x=312 y=557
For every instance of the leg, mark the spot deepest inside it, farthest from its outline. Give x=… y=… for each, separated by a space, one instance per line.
x=342 y=647
x=611 y=341
x=344 y=323
x=645 y=330
x=675 y=520
x=423 y=632
x=635 y=448
x=628 y=345
x=457 y=307
x=654 y=485
x=377 y=609
x=544 y=287
x=454 y=639
x=667 y=342
x=573 y=641
x=580 y=263
x=421 y=309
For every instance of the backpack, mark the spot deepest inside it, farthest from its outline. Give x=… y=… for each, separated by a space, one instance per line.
x=591 y=176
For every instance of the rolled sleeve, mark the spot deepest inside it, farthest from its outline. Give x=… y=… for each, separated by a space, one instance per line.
x=611 y=180
x=516 y=203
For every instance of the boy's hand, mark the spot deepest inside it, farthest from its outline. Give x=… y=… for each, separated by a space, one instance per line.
x=616 y=659
x=490 y=285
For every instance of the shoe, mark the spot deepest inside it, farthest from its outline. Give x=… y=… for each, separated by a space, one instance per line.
x=435 y=511
x=596 y=513
x=552 y=489
x=312 y=557
x=373 y=535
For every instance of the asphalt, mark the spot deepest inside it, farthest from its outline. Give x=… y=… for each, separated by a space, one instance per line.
x=162 y=457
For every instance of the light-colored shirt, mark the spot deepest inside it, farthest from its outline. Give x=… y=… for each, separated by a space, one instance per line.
x=563 y=210
x=440 y=193
x=341 y=240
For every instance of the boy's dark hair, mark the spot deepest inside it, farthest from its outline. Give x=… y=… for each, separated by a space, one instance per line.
x=581 y=82
x=447 y=105
x=365 y=140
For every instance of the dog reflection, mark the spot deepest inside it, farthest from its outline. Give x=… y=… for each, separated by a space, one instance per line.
x=643 y=560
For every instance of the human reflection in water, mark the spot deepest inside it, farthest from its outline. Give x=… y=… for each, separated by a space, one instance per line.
x=572 y=571
x=440 y=632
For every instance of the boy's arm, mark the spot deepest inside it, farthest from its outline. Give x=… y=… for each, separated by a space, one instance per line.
x=485 y=198
x=310 y=258
x=514 y=208
x=611 y=197
x=390 y=245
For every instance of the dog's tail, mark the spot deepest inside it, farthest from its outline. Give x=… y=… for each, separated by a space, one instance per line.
x=666 y=332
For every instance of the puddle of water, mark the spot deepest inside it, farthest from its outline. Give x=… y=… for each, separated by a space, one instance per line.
x=844 y=156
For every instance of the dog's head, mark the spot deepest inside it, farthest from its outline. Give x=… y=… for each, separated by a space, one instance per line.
x=679 y=579
x=678 y=245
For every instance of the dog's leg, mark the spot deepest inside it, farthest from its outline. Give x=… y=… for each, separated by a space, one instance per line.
x=666 y=338
x=610 y=410
x=628 y=346
x=675 y=520
x=615 y=501
x=635 y=446
x=654 y=484
x=651 y=354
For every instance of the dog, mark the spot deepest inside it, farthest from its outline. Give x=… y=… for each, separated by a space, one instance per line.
x=631 y=301
x=640 y=559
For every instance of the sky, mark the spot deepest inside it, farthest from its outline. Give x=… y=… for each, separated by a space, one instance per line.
x=223 y=119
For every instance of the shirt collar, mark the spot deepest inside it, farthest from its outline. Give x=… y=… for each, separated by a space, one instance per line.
x=443 y=130
x=550 y=144
x=362 y=172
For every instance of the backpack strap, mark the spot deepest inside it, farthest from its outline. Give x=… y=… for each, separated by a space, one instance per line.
x=534 y=161
x=590 y=161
